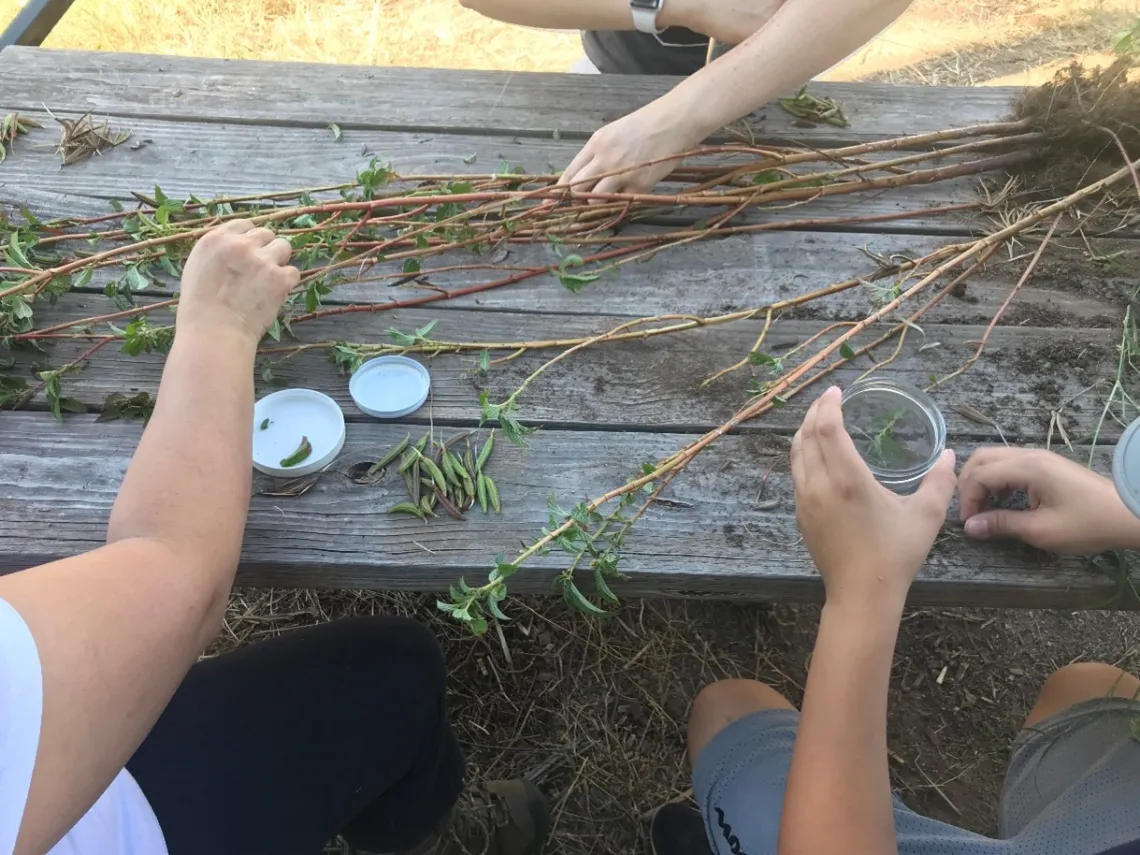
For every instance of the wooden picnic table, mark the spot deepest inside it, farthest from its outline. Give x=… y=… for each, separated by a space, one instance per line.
x=213 y=128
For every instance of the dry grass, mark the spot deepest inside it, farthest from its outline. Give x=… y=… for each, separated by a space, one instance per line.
x=937 y=41
x=595 y=712
x=433 y=33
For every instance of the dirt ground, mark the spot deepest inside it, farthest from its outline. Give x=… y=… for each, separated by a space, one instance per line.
x=595 y=712
x=963 y=42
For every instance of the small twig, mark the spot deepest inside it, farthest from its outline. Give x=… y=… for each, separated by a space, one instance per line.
x=1005 y=304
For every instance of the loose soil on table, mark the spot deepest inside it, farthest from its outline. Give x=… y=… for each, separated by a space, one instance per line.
x=596 y=711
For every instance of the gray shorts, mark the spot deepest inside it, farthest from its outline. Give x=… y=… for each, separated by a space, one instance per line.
x=1072 y=788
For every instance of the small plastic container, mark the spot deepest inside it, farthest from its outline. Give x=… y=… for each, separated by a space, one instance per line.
x=389 y=387
x=897 y=428
x=1126 y=467
x=282 y=420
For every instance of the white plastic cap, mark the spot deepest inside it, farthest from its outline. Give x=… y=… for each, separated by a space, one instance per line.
x=283 y=420
x=389 y=387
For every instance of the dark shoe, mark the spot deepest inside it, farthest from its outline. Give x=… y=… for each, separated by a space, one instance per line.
x=678 y=829
x=495 y=818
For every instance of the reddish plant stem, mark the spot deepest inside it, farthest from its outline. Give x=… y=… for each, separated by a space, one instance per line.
x=97 y=319
x=459 y=292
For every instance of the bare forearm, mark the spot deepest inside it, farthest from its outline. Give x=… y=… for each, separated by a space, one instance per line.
x=802 y=39
x=188 y=484
x=839 y=797
x=573 y=14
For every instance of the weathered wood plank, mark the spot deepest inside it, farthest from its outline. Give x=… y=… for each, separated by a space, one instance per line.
x=57 y=487
x=209 y=160
x=434 y=99
x=655 y=384
x=744 y=271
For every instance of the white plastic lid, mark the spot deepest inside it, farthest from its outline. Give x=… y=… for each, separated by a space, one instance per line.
x=285 y=419
x=389 y=387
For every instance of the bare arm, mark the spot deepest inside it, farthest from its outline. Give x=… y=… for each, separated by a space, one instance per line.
x=784 y=46
x=557 y=14
x=868 y=545
x=840 y=758
x=802 y=39
x=117 y=628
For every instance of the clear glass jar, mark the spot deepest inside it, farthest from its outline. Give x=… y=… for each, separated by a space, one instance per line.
x=899 y=431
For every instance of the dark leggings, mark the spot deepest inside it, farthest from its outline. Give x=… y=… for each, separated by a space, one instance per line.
x=275 y=748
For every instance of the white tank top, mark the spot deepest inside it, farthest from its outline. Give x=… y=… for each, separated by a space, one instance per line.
x=121 y=822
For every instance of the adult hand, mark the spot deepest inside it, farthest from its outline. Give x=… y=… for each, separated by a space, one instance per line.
x=1072 y=509
x=237 y=277
x=654 y=132
x=868 y=542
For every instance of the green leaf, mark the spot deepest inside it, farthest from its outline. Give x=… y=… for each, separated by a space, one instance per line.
x=313 y=294
x=401 y=338
x=336 y=132
x=15 y=253
x=574 y=282
x=580 y=514
x=493 y=608
x=505 y=569
x=424 y=331
x=135 y=279
x=119 y=406
x=604 y=590
x=770 y=176
x=846 y=352
x=478 y=624
x=470 y=159
x=557 y=514
x=116 y=206
x=577 y=600
x=412 y=265
x=449 y=608
x=169 y=266
x=346 y=358
x=484 y=360
x=274 y=331
x=757 y=358
x=84 y=277
x=72 y=405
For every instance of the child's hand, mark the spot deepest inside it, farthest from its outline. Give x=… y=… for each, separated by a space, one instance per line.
x=867 y=542
x=1072 y=509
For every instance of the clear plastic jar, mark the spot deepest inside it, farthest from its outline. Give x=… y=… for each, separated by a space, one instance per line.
x=899 y=431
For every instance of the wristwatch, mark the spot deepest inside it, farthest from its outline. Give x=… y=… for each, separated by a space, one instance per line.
x=645 y=14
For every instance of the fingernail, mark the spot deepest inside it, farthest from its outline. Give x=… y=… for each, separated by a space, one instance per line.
x=950 y=456
x=977 y=527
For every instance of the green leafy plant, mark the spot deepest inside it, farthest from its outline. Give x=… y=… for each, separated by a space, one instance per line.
x=1127 y=42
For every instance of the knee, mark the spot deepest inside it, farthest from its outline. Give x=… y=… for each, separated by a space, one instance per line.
x=1081 y=681
x=720 y=704
x=387 y=642
x=1099 y=677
